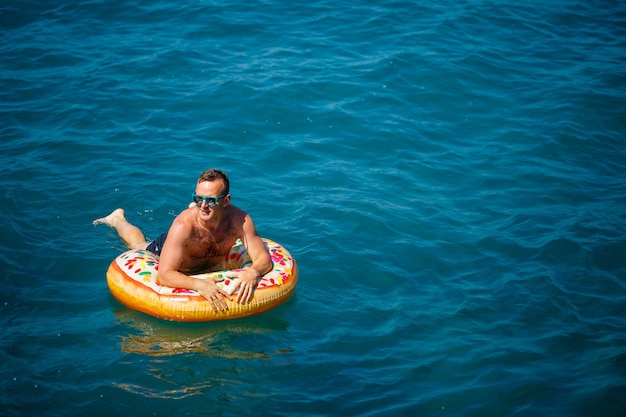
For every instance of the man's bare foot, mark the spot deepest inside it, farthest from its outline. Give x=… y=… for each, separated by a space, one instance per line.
x=109 y=220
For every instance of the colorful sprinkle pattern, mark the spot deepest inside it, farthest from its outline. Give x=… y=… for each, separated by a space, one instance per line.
x=143 y=266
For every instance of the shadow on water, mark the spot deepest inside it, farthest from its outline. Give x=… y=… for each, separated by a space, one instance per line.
x=156 y=337
x=172 y=360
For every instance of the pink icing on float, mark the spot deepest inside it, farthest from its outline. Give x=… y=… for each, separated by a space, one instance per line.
x=133 y=280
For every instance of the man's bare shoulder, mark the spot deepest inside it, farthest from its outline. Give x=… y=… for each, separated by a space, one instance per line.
x=236 y=215
x=234 y=209
x=185 y=219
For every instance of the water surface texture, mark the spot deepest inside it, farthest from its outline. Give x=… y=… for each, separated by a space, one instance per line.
x=449 y=175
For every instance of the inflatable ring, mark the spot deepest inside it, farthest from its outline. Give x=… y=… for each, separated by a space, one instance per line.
x=132 y=278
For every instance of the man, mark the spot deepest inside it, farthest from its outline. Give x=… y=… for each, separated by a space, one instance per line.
x=199 y=238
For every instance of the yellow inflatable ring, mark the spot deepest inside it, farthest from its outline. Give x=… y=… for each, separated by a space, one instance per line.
x=133 y=280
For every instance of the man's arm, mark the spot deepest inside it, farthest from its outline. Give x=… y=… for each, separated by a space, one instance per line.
x=261 y=261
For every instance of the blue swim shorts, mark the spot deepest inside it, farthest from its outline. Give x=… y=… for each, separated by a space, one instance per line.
x=156 y=245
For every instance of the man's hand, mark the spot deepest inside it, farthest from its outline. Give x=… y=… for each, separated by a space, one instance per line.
x=247 y=282
x=209 y=290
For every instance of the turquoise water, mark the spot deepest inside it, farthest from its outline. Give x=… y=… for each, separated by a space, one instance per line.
x=450 y=177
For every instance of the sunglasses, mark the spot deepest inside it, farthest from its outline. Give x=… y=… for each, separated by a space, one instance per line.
x=210 y=201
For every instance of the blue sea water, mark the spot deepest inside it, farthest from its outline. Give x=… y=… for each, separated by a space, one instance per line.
x=449 y=175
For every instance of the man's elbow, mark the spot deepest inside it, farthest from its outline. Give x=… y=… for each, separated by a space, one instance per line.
x=165 y=278
x=267 y=264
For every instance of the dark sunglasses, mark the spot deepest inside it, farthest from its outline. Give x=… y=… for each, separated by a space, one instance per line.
x=210 y=201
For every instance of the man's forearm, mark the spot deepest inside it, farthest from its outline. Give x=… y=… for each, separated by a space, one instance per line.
x=261 y=268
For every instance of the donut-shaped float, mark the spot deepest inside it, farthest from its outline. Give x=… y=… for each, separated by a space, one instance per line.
x=132 y=278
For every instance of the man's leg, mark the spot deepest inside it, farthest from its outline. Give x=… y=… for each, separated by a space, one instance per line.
x=130 y=234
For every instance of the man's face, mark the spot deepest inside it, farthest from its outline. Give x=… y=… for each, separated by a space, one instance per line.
x=204 y=191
